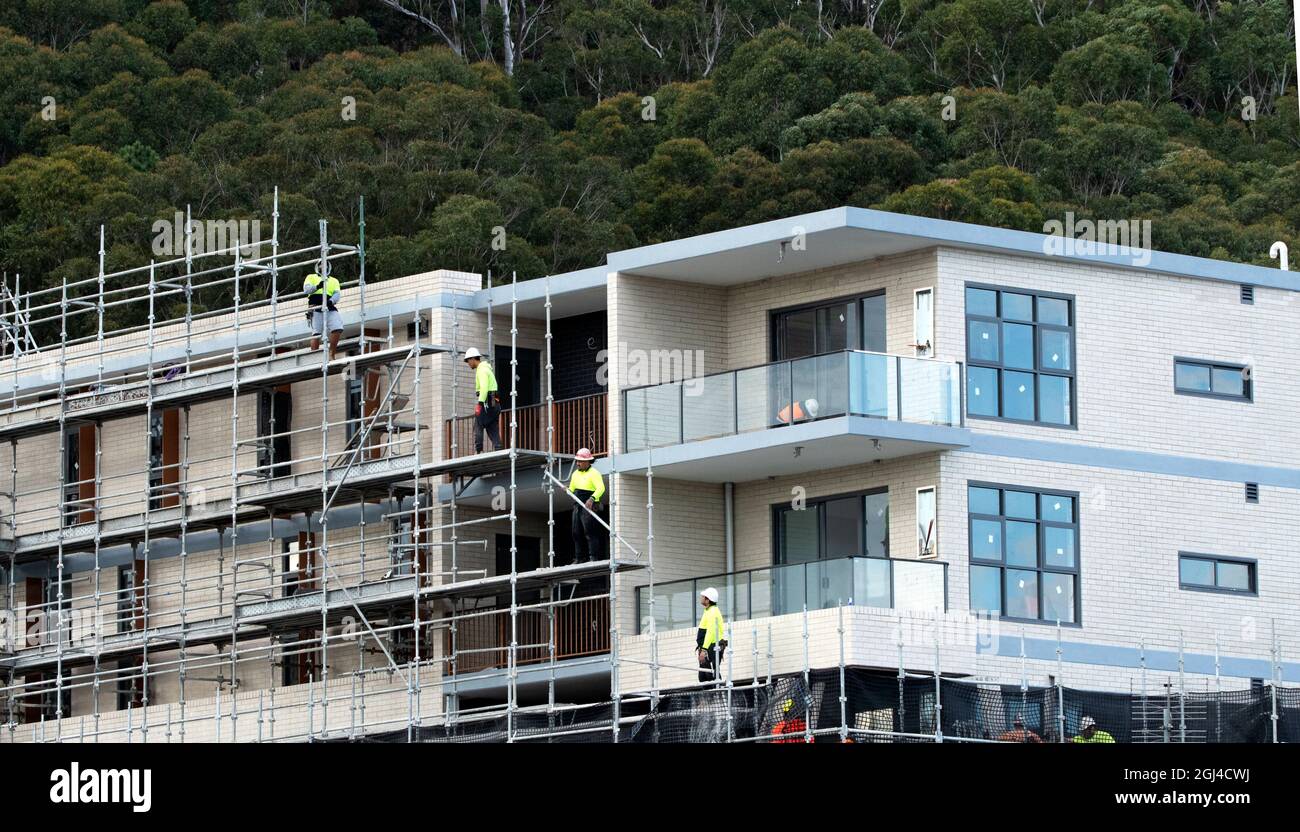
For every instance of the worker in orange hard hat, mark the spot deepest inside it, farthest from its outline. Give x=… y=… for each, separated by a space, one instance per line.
x=806 y=409
x=588 y=486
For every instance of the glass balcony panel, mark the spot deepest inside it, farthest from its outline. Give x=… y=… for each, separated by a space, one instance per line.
x=789 y=589
x=760 y=392
x=761 y=593
x=871 y=391
x=819 y=388
x=654 y=416
x=784 y=589
x=919 y=586
x=930 y=391
x=871 y=582
x=709 y=406
x=830 y=583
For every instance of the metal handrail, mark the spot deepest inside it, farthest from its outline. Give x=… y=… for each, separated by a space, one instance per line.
x=894 y=409
x=698 y=583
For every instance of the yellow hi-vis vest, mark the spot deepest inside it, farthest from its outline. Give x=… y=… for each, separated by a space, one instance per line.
x=589 y=480
x=485 y=381
x=316 y=285
x=711 y=624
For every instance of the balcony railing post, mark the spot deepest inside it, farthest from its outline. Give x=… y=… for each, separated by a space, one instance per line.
x=898 y=388
x=681 y=412
x=735 y=402
x=961 y=394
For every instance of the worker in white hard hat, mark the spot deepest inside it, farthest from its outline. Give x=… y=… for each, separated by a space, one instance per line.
x=588 y=486
x=798 y=411
x=487 y=403
x=711 y=637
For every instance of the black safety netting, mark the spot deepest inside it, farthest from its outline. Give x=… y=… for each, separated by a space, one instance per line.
x=881 y=706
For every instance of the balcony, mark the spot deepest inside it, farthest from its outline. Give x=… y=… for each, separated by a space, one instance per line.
x=761 y=419
x=781 y=590
x=579 y=423
x=483 y=643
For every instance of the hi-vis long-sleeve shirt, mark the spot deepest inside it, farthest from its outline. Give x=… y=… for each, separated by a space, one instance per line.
x=711 y=630
x=588 y=481
x=485 y=381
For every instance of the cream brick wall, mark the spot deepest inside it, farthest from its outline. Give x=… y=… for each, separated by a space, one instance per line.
x=1132 y=527
x=1129 y=326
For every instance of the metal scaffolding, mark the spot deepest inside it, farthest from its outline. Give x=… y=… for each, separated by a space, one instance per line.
x=152 y=629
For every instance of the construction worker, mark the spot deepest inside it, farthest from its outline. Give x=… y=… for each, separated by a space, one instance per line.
x=1089 y=732
x=801 y=410
x=587 y=485
x=322 y=302
x=789 y=725
x=711 y=637
x=1018 y=733
x=487 y=405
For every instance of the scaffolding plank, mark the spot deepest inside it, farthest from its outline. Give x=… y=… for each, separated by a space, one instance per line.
x=200 y=386
x=261 y=619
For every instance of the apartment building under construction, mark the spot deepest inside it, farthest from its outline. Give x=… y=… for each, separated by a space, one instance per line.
x=919 y=449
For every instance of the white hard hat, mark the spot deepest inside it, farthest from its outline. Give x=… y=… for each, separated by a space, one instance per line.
x=584 y=454
x=1086 y=722
x=472 y=352
x=711 y=594
x=811 y=407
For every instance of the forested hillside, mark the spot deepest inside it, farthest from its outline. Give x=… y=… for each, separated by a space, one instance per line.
x=584 y=126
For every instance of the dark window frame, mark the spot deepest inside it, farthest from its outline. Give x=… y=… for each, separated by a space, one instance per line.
x=1038 y=370
x=774 y=316
x=817 y=503
x=1251 y=563
x=1247 y=382
x=1041 y=567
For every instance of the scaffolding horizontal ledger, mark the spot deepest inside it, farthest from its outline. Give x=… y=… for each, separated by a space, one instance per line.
x=133 y=578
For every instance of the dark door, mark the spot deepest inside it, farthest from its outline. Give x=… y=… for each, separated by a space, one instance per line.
x=274 y=412
x=528 y=375
x=528 y=557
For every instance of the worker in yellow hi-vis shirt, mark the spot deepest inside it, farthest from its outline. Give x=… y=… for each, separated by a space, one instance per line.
x=711 y=637
x=487 y=403
x=588 y=486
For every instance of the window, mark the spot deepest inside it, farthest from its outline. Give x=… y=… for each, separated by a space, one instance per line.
x=847 y=324
x=850 y=525
x=1024 y=552
x=1020 y=355
x=79 y=475
x=1212 y=573
x=164 y=458
x=130 y=596
x=274 y=418
x=923 y=322
x=1204 y=378
x=300 y=657
x=298 y=564
x=130 y=684
x=926 y=537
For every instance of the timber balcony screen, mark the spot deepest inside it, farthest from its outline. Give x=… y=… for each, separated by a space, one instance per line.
x=483 y=643
x=579 y=423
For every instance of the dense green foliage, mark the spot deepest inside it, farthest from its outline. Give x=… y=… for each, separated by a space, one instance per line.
x=761 y=109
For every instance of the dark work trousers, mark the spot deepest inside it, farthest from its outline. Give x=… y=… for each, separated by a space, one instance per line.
x=585 y=530
x=712 y=664
x=488 y=420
